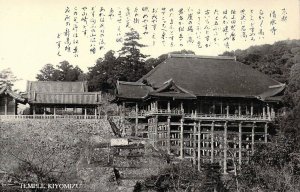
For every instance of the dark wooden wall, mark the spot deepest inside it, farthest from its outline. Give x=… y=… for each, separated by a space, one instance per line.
x=7 y=105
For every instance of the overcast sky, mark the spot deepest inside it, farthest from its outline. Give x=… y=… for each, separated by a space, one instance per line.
x=29 y=29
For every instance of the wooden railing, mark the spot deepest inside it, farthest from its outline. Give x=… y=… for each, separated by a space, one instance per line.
x=165 y=111
x=211 y=116
x=4 y=117
x=230 y=117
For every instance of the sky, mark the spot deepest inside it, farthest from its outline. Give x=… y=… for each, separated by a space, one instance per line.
x=29 y=29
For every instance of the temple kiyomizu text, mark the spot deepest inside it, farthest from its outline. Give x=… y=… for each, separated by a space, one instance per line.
x=205 y=109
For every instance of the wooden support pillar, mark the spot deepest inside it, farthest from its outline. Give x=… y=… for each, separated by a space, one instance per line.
x=44 y=113
x=136 y=119
x=199 y=145
x=156 y=105
x=268 y=112
x=266 y=132
x=33 y=112
x=227 y=110
x=225 y=148
x=240 y=111
x=5 y=105
x=85 y=113
x=264 y=112
x=181 y=107
x=251 y=110
x=181 y=138
x=155 y=138
x=169 y=135
x=252 y=138
x=123 y=108
x=16 y=107
x=96 y=112
x=169 y=106
x=54 y=112
x=272 y=112
x=240 y=144
x=221 y=108
x=194 y=143
x=212 y=142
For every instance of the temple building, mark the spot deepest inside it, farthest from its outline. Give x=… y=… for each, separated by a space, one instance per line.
x=9 y=101
x=62 y=98
x=206 y=109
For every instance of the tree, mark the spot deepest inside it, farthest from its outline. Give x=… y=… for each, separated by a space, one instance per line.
x=105 y=73
x=132 y=63
x=7 y=77
x=129 y=66
x=48 y=73
x=63 y=72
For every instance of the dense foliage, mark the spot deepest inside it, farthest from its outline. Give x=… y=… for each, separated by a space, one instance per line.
x=276 y=166
x=7 y=77
x=274 y=60
x=62 y=72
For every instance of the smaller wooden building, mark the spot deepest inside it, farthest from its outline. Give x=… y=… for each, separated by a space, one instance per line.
x=62 y=98
x=9 y=101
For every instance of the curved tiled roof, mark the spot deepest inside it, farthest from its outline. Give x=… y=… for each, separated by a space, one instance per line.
x=56 y=86
x=132 y=90
x=210 y=76
x=87 y=98
x=13 y=94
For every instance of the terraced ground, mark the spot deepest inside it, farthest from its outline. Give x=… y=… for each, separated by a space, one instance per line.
x=71 y=151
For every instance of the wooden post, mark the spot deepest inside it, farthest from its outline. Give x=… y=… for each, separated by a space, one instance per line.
x=96 y=112
x=240 y=144
x=194 y=142
x=252 y=138
x=169 y=135
x=85 y=113
x=199 y=145
x=251 y=110
x=169 y=106
x=264 y=113
x=44 y=113
x=268 y=112
x=221 y=107
x=272 y=112
x=266 y=133
x=225 y=148
x=227 y=110
x=181 y=138
x=240 y=112
x=155 y=138
x=123 y=108
x=34 y=111
x=156 y=106
x=181 y=107
x=5 y=106
x=212 y=142
x=54 y=111
x=136 y=118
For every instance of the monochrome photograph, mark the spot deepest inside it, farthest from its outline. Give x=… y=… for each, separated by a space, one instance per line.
x=146 y=96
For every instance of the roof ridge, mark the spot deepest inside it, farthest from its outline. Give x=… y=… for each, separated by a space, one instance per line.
x=170 y=55
x=131 y=83
x=59 y=81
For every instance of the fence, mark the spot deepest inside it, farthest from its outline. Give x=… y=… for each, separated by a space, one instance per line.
x=7 y=117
